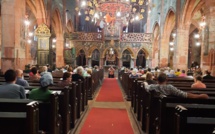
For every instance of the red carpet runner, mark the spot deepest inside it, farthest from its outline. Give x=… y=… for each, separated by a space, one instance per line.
x=110 y=91
x=107 y=121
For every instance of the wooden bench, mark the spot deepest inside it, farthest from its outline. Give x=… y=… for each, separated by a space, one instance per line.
x=194 y=119
x=162 y=112
x=19 y=116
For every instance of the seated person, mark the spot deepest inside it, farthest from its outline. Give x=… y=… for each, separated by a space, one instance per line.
x=42 y=93
x=134 y=74
x=168 y=89
x=149 y=79
x=171 y=74
x=198 y=82
x=35 y=76
x=78 y=75
x=67 y=79
x=20 y=81
x=70 y=70
x=177 y=73
x=11 y=90
x=111 y=72
x=207 y=75
x=183 y=74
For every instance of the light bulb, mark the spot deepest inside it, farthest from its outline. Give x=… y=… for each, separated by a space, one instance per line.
x=54 y=40
x=53 y=46
x=174 y=34
x=79 y=13
x=202 y=24
x=171 y=49
x=27 y=23
x=197 y=36
x=96 y=15
x=29 y=41
x=198 y=43
x=118 y=14
x=67 y=45
x=83 y=3
x=137 y=17
x=30 y=34
x=171 y=43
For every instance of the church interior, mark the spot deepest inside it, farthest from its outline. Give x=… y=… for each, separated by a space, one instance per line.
x=111 y=58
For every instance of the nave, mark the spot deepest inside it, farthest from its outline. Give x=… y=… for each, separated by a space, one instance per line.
x=109 y=112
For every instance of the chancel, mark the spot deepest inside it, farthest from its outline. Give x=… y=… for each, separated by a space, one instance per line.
x=107 y=66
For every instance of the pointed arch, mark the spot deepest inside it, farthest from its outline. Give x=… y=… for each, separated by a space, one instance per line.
x=56 y=23
x=106 y=49
x=169 y=23
x=155 y=46
x=41 y=11
x=32 y=7
x=130 y=50
x=93 y=48
x=147 y=55
x=191 y=6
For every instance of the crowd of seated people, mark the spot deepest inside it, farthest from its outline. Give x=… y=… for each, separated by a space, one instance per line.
x=14 y=87
x=196 y=74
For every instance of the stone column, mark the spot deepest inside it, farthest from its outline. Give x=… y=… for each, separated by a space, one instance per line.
x=59 y=51
x=209 y=36
x=13 y=46
x=133 y=63
x=180 y=58
x=119 y=62
x=164 y=51
x=149 y=63
x=101 y=63
x=89 y=62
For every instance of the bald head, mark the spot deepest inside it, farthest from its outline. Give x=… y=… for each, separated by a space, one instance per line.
x=19 y=73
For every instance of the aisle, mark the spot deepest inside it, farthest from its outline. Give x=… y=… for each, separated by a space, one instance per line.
x=108 y=113
x=110 y=91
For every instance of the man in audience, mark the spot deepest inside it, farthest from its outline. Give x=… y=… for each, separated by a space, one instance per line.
x=208 y=75
x=20 y=81
x=168 y=89
x=78 y=75
x=11 y=90
x=67 y=79
x=42 y=93
x=35 y=76
x=198 y=82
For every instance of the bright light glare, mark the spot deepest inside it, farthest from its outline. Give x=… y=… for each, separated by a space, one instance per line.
x=27 y=23
x=54 y=40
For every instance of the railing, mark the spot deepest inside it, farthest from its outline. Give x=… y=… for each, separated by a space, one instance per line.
x=125 y=37
x=81 y=36
x=137 y=37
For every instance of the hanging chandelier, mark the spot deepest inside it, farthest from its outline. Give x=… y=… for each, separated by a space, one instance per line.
x=126 y=11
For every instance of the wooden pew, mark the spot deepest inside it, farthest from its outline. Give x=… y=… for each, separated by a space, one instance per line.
x=19 y=116
x=162 y=112
x=65 y=95
x=50 y=119
x=194 y=119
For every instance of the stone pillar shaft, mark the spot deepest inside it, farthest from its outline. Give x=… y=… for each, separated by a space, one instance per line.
x=180 y=59
x=164 y=52
x=59 y=52
x=13 y=52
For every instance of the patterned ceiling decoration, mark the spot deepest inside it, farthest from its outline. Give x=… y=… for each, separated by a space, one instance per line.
x=130 y=10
